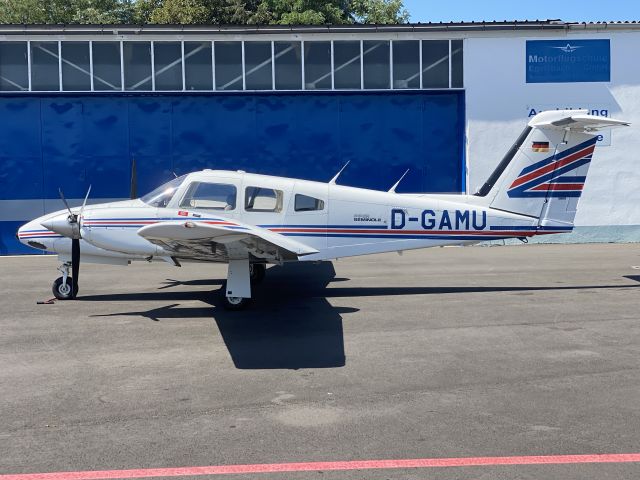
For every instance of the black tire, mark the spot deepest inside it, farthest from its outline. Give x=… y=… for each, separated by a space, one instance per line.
x=63 y=291
x=257 y=272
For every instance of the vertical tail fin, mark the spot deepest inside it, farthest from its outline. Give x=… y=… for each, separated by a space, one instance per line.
x=544 y=172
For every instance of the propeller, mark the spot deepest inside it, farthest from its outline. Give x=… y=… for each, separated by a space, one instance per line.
x=74 y=232
x=134 y=180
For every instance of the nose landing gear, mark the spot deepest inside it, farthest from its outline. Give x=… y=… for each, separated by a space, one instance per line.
x=63 y=287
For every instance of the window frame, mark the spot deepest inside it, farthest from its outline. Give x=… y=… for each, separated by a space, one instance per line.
x=307 y=210
x=192 y=188
x=279 y=205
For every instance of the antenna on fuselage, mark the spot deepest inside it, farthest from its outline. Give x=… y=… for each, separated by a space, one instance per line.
x=333 y=180
x=395 y=185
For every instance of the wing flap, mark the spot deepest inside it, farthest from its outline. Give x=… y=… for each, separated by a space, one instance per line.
x=192 y=236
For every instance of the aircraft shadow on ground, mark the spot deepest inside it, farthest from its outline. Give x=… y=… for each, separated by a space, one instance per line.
x=291 y=323
x=283 y=329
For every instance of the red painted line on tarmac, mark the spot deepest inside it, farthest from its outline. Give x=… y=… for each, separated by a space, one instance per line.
x=327 y=466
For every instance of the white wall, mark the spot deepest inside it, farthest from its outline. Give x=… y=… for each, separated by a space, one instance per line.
x=498 y=101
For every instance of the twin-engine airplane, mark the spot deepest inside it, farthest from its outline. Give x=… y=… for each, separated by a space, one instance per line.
x=249 y=220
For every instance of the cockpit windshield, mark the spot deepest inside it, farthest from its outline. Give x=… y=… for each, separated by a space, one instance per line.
x=161 y=196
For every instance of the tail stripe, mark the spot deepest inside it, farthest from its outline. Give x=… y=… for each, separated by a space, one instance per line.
x=552 y=158
x=546 y=178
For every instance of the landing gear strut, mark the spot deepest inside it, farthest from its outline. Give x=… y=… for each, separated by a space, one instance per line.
x=240 y=277
x=63 y=286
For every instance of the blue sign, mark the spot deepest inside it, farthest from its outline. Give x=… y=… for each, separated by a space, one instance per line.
x=551 y=61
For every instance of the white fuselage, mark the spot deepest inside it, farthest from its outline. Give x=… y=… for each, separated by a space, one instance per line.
x=351 y=221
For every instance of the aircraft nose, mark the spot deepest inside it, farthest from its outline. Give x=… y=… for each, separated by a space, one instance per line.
x=28 y=231
x=20 y=232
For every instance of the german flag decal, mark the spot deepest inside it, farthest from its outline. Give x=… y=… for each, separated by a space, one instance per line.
x=542 y=147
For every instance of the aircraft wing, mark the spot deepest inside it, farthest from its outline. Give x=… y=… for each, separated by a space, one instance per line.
x=221 y=240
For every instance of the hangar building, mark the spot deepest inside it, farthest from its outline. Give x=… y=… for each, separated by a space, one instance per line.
x=80 y=104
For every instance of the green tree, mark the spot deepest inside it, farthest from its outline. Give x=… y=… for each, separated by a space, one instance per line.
x=379 y=11
x=284 y=12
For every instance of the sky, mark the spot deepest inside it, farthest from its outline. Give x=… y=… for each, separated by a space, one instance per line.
x=478 y=10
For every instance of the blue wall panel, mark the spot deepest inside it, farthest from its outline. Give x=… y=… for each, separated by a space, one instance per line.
x=73 y=141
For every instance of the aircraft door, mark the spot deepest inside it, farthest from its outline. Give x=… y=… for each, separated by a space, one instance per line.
x=307 y=214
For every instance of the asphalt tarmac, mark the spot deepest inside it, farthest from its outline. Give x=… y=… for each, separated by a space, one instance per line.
x=509 y=351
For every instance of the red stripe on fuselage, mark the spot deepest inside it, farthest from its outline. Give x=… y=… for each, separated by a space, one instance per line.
x=408 y=232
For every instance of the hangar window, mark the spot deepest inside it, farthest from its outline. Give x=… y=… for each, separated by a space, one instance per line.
x=456 y=64
x=76 y=70
x=305 y=203
x=258 y=66
x=14 y=73
x=435 y=64
x=317 y=65
x=176 y=65
x=288 y=65
x=346 y=65
x=197 y=66
x=106 y=66
x=210 y=196
x=45 y=73
x=376 y=73
x=406 y=64
x=167 y=65
x=137 y=65
x=228 y=56
x=259 y=199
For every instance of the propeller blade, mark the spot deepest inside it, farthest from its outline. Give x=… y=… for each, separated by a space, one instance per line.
x=134 y=180
x=75 y=264
x=64 y=200
x=85 y=201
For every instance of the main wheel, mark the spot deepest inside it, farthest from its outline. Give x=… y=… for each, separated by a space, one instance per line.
x=235 y=303
x=62 y=290
x=257 y=271
x=232 y=303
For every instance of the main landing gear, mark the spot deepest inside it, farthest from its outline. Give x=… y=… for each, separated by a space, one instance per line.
x=241 y=276
x=63 y=287
x=257 y=272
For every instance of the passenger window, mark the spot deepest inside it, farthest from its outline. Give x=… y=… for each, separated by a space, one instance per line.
x=210 y=196
x=258 y=199
x=304 y=203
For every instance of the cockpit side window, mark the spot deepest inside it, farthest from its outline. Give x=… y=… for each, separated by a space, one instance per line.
x=305 y=203
x=210 y=196
x=161 y=196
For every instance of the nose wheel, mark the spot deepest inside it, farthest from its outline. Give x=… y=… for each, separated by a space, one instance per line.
x=63 y=287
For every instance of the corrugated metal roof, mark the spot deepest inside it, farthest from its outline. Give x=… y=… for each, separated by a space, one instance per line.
x=494 y=25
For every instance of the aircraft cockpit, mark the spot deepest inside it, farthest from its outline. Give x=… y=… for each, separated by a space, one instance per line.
x=161 y=196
